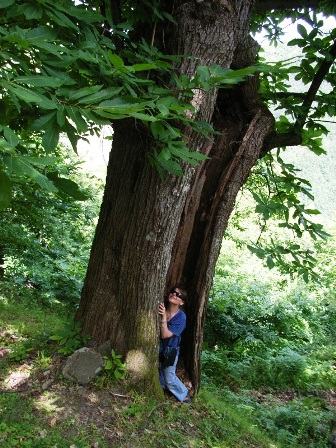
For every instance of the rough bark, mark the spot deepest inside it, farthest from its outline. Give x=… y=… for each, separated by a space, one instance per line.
x=152 y=234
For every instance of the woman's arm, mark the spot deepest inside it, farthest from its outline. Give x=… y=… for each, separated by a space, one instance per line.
x=165 y=333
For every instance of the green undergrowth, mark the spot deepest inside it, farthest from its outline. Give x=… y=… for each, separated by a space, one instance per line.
x=102 y=414
x=22 y=311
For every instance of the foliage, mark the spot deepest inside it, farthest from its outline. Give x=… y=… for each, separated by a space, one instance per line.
x=277 y=188
x=114 y=366
x=279 y=194
x=45 y=238
x=313 y=65
x=69 y=338
x=21 y=309
x=288 y=419
x=92 y=86
x=272 y=332
x=19 y=353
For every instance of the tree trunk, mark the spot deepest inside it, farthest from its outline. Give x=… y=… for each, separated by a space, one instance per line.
x=153 y=234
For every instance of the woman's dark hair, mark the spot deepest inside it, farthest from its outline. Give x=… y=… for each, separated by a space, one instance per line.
x=183 y=291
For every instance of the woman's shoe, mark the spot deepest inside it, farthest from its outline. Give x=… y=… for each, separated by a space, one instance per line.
x=187 y=399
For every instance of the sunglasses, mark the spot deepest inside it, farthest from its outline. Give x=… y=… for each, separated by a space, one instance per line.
x=178 y=294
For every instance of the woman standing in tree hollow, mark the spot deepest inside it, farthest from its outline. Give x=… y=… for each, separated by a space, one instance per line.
x=173 y=322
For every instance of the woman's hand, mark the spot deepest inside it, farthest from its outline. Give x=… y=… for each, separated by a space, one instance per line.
x=162 y=311
x=165 y=333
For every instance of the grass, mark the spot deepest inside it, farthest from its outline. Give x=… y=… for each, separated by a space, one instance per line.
x=46 y=411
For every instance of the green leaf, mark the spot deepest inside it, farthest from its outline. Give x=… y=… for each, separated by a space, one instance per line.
x=42 y=161
x=5 y=145
x=143 y=67
x=5 y=190
x=96 y=97
x=55 y=337
x=43 y=121
x=6 y=3
x=270 y=262
x=115 y=115
x=119 y=105
x=302 y=31
x=30 y=96
x=68 y=187
x=61 y=115
x=21 y=166
x=83 y=14
x=30 y=11
x=165 y=153
x=80 y=93
x=51 y=137
x=143 y=117
x=39 y=81
x=184 y=151
x=77 y=118
x=116 y=60
x=203 y=73
x=170 y=165
x=72 y=135
x=61 y=19
x=41 y=34
x=11 y=137
x=108 y=365
x=54 y=49
x=311 y=211
x=157 y=129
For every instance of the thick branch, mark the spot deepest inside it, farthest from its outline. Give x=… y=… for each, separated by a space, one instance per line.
x=278 y=140
x=314 y=87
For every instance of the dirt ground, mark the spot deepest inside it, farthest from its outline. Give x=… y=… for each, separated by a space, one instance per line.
x=106 y=410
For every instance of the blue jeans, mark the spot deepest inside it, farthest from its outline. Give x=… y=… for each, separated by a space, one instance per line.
x=169 y=380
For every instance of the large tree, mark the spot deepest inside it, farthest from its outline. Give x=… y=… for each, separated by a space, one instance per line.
x=181 y=84
x=153 y=233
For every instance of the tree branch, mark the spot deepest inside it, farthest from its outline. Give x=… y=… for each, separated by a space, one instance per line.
x=293 y=138
x=315 y=85
x=299 y=95
x=278 y=140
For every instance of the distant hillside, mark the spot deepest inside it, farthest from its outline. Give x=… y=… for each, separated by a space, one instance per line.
x=320 y=171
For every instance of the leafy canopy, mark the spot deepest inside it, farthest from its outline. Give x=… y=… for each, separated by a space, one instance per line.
x=61 y=75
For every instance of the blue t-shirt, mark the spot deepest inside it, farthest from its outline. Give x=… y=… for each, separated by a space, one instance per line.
x=175 y=325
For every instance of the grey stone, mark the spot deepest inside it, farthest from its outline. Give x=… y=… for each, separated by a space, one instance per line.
x=83 y=365
x=47 y=384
